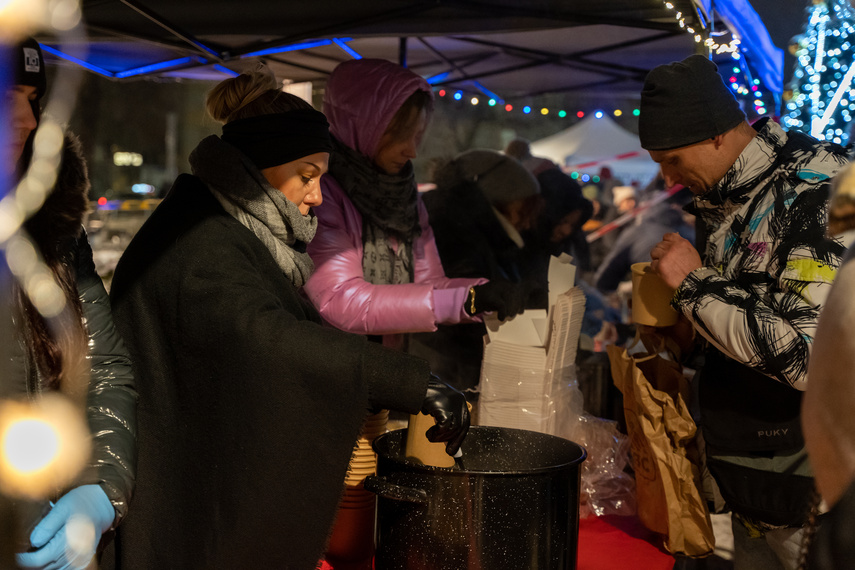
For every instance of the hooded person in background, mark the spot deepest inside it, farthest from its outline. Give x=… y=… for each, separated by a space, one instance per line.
x=482 y=204
x=80 y=348
x=752 y=291
x=558 y=229
x=377 y=271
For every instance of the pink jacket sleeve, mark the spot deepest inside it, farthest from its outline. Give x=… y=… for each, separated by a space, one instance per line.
x=339 y=291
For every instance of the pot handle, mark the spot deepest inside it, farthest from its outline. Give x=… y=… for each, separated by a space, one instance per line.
x=384 y=488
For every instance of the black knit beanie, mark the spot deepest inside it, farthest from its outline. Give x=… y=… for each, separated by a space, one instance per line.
x=29 y=66
x=685 y=102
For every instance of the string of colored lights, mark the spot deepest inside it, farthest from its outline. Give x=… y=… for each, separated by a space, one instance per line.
x=458 y=95
x=749 y=88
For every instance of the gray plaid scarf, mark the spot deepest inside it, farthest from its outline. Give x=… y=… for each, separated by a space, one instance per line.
x=246 y=195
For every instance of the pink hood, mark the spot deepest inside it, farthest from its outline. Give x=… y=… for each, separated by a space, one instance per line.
x=358 y=120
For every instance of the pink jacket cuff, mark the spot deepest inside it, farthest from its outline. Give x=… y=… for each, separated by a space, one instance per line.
x=448 y=304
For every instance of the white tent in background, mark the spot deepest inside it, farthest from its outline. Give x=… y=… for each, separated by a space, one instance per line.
x=594 y=143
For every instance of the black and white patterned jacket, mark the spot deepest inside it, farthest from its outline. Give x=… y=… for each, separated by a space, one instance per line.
x=768 y=264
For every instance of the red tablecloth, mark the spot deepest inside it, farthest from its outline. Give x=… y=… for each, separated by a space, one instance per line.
x=619 y=543
x=605 y=543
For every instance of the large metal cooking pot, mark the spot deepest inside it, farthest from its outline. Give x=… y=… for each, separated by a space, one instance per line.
x=511 y=502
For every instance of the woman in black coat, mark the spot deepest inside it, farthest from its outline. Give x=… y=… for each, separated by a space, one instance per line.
x=248 y=406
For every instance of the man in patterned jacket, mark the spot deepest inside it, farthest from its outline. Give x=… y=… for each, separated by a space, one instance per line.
x=752 y=291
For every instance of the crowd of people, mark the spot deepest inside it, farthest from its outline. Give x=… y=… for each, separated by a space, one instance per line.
x=297 y=282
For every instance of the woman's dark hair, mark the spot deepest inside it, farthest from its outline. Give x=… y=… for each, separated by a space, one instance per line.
x=57 y=346
x=58 y=349
x=403 y=123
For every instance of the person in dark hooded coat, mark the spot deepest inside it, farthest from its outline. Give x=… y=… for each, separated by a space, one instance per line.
x=565 y=210
x=482 y=202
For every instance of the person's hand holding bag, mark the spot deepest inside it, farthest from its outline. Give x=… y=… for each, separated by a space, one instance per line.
x=448 y=408
x=504 y=298
x=69 y=534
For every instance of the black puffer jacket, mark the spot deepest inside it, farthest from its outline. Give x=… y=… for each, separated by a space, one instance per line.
x=111 y=397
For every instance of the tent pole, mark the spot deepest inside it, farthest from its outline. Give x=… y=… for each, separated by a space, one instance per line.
x=402 y=51
x=172 y=29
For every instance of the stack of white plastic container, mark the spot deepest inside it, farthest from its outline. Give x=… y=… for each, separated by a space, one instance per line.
x=528 y=375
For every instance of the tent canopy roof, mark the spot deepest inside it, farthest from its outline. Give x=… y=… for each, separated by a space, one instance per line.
x=502 y=47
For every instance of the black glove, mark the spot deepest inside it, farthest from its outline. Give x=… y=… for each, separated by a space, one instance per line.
x=448 y=408
x=505 y=298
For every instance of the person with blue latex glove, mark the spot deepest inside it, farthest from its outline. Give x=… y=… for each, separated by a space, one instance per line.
x=78 y=352
x=69 y=534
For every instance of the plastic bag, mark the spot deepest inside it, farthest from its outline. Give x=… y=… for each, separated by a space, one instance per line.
x=606 y=486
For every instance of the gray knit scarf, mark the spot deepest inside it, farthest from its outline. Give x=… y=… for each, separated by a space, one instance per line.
x=388 y=206
x=247 y=196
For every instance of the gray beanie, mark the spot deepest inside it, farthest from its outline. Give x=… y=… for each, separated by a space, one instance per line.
x=500 y=178
x=685 y=102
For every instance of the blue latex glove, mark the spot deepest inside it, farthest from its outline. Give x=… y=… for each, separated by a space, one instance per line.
x=69 y=534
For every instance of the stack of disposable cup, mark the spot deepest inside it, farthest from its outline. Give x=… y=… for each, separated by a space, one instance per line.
x=352 y=537
x=363 y=462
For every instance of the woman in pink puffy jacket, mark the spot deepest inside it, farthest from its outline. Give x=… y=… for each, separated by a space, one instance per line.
x=377 y=270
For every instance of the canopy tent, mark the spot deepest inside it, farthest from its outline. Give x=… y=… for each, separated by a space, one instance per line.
x=502 y=48
x=594 y=143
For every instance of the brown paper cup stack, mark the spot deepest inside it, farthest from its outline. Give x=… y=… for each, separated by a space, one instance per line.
x=352 y=537
x=363 y=462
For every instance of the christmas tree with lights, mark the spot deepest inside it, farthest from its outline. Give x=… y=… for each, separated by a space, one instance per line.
x=823 y=88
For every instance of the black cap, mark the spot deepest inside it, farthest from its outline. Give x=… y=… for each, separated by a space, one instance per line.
x=685 y=102
x=29 y=65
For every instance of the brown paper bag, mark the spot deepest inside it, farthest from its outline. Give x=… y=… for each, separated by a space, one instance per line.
x=662 y=435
